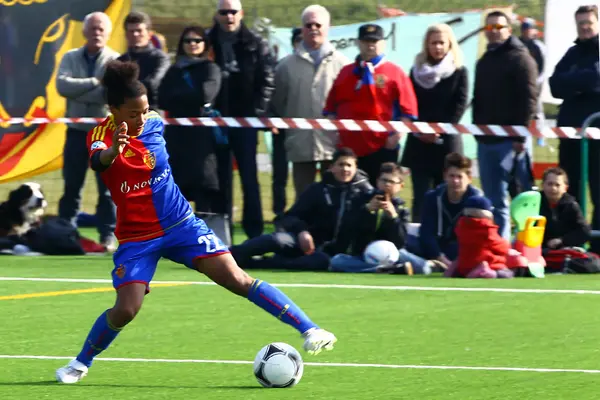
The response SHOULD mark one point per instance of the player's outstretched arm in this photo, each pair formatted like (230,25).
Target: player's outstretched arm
(104,159)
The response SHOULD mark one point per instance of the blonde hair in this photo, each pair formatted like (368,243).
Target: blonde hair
(446,30)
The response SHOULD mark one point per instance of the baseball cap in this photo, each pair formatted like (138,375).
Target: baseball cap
(370,32)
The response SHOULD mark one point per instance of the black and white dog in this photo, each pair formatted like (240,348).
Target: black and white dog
(23,209)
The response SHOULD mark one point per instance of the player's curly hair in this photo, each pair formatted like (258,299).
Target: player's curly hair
(121,82)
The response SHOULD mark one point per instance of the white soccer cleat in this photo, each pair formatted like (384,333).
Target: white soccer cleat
(316,339)
(73,372)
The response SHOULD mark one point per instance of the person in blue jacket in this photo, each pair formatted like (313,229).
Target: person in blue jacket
(442,207)
(576,80)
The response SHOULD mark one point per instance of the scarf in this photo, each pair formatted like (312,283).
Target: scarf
(228,40)
(364,70)
(427,75)
(185,61)
(319,54)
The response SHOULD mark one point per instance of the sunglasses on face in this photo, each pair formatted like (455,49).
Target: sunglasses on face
(491,27)
(309,25)
(227,12)
(193,40)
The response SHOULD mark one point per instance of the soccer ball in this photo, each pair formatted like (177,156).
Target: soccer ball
(278,365)
(381,252)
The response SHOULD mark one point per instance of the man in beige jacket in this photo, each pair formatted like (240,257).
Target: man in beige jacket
(302,83)
(79,81)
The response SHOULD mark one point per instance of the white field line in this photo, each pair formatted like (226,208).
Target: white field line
(346,365)
(336,286)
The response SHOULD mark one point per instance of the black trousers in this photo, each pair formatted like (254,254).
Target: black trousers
(280,173)
(422,181)
(75,168)
(288,254)
(242,143)
(372,162)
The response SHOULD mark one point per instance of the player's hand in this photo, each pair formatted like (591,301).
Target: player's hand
(392,141)
(554,243)
(306,242)
(275,130)
(120,138)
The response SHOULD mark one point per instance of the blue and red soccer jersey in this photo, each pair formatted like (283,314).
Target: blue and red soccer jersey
(140,182)
(154,220)
(389,97)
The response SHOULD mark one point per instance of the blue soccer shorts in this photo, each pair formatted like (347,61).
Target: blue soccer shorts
(136,262)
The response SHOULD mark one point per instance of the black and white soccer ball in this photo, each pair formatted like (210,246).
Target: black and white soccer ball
(278,365)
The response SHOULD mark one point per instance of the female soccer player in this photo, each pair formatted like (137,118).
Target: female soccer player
(154,220)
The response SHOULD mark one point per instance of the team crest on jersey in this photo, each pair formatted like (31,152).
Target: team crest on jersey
(380,80)
(150,159)
(120,271)
(98,145)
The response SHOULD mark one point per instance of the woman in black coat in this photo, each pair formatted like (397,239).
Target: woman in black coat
(188,90)
(441,85)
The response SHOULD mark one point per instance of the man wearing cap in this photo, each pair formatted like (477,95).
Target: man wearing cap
(372,88)
(302,82)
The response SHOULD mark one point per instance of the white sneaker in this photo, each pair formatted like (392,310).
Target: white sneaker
(316,339)
(73,372)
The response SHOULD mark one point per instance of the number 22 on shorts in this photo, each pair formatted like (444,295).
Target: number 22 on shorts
(212,243)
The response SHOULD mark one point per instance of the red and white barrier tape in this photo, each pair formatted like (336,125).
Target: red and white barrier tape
(349,125)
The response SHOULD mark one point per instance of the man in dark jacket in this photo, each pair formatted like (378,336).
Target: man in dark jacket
(442,208)
(307,233)
(248,72)
(576,80)
(153,62)
(565,224)
(505,94)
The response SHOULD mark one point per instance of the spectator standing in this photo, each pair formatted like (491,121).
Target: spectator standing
(153,62)
(279,157)
(247,66)
(505,94)
(302,83)
(188,90)
(441,85)
(79,81)
(372,88)
(537,49)
(576,80)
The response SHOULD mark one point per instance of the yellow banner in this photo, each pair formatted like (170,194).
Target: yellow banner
(35,36)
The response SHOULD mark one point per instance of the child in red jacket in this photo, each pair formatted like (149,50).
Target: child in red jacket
(482,252)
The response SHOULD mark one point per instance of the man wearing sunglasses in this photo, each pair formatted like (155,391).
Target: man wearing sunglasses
(505,93)
(302,82)
(576,80)
(247,65)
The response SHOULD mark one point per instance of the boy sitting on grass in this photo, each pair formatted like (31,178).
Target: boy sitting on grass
(565,223)
(382,216)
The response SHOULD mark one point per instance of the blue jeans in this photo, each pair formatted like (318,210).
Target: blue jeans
(497,161)
(348,263)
